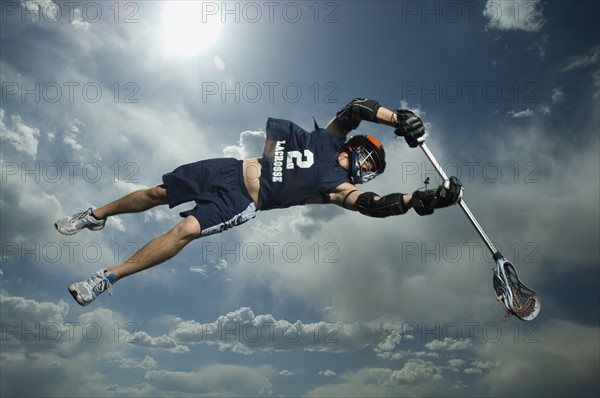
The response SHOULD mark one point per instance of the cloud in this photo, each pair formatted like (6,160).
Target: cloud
(552,171)
(489,368)
(417,109)
(54,376)
(539,46)
(448,344)
(386,348)
(78,21)
(147,363)
(545,110)
(41,337)
(479,366)
(556,98)
(21,136)
(558,95)
(415,371)
(25,203)
(523,15)
(542,357)
(20,310)
(200,270)
(415,378)
(520,114)
(132,363)
(327,373)
(592,57)
(583,60)
(249,145)
(243,332)
(313,218)
(167,343)
(71,133)
(457,363)
(42,10)
(214,380)
(156,214)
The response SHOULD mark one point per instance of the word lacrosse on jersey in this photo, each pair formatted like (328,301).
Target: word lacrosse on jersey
(298,166)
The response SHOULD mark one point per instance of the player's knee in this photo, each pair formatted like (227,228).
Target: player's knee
(157,194)
(188,228)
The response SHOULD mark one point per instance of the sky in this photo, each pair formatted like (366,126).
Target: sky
(101,98)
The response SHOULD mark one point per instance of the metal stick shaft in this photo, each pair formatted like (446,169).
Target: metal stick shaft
(462,203)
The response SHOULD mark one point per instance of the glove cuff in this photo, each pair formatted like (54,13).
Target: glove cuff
(422,202)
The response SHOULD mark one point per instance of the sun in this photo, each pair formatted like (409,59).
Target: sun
(186,30)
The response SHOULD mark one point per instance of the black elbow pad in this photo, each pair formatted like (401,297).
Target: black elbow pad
(366,109)
(389,205)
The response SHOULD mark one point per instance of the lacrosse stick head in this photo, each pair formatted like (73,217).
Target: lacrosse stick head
(518,299)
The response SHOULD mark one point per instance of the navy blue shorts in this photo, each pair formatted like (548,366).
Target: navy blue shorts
(217,187)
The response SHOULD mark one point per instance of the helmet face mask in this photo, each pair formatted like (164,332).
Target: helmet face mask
(367,158)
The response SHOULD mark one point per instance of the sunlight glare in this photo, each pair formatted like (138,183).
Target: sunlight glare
(183,30)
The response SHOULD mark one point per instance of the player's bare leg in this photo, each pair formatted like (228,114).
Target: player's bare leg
(135,202)
(153,253)
(160,249)
(95,220)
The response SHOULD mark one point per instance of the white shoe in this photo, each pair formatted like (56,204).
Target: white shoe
(86,291)
(77,222)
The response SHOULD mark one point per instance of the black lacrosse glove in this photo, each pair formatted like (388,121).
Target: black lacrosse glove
(410,126)
(447,194)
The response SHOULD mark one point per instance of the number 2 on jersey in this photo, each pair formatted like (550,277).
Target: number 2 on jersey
(297,158)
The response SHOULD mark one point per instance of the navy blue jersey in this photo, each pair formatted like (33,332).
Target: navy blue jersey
(298,165)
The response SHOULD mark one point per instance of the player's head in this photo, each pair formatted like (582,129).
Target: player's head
(367,158)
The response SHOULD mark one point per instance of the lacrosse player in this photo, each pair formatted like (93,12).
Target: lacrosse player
(296,168)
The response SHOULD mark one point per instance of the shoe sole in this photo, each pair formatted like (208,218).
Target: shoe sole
(65,232)
(75,296)
(69,233)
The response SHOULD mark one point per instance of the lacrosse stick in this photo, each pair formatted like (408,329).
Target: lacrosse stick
(518,299)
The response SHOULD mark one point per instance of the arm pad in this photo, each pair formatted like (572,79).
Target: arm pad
(389,205)
(366,109)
